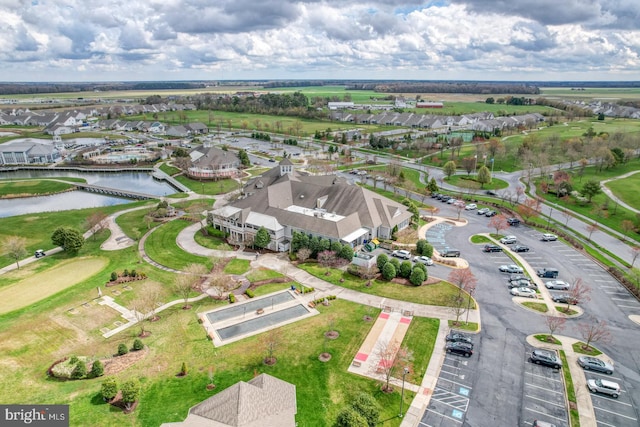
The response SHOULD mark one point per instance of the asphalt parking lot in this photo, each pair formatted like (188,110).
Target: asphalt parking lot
(609,411)
(543,394)
(450,400)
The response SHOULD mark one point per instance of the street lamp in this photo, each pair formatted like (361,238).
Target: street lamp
(405,371)
(469,303)
(549,219)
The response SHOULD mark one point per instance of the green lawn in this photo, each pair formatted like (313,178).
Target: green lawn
(237,266)
(439,293)
(161,247)
(627,189)
(208,187)
(464,181)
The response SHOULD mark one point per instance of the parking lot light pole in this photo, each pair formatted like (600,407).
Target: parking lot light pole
(469,304)
(405,371)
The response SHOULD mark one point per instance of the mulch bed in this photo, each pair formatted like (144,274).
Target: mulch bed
(332,335)
(324,357)
(118,364)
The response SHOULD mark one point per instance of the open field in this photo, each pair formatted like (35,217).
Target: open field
(627,189)
(604,94)
(32,187)
(44,284)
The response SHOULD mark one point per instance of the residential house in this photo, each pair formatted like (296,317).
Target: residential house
(284,201)
(263,401)
(22,153)
(177,131)
(197,128)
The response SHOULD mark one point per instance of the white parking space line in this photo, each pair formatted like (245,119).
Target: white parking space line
(544,400)
(622,299)
(428,425)
(451,366)
(603,376)
(444,416)
(455,382)
(615,413)
(544,388)
(616,292)
(544,377)
(633,307)
(604,424)
(546,415)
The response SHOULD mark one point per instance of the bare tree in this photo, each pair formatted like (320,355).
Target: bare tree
(270,342)
(96,222)
(303,254)
(594,331)
(578,293)
(390,359)
(184,283)
(554,324)
(591,228)
(463,278)
(627,226)
(15,247)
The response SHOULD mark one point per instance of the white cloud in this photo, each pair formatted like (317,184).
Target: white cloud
(403,39)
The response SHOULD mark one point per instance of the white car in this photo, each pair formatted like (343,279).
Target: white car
(424,260)
(401,254)
(604,387)
(511,268)
(547,237)
(508,240)
(557,284)
(483,211)
(523,292)
(471,206)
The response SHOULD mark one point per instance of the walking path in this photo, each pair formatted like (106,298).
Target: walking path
(612,196)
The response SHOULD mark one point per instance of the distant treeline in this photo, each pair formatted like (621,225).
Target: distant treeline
(36,88)
(484,88)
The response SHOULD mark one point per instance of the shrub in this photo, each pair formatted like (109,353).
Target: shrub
(405,269)
(388,271)
(122,349)
(109,388)
(232,298)
(183,369)
(348,417)
(73,360)
(417,277)
(365,405)
(381,261)
(114,276)
(249,293)
(130,392)
(97,370)
(137,344)
(79,371)
(133,274)
(125,273)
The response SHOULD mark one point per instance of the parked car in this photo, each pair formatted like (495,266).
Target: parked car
(549,237)
(514,222)
(423,260)
(452,201)
(522,283)
(449,253)
(520,248)
(471,206)
(557,284)
(492,248)
(595,364)
(434,195)
(444,198)
(538,423)
(548,273)
(401,254)
(545,357)
(490,214)
(483,211)
(511,268)
(508,240)
(517,277)
(459,348)
(523,292)
(564,299)
(490,193)
(454,336)
(604,387)
(39,253)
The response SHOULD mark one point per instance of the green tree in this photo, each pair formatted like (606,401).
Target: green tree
(130,392)
(484,176)
(449,168)
(109,388)
(432,186)
(424,248)
(381,261)
(346,252)
(365,405)
(490,100)
(262,238)
(137,344)
(79,371)
(417,276)
(405,269)
(388,271)
(97,369)
(348,417)
(70,239)
(590,189)
(122,349)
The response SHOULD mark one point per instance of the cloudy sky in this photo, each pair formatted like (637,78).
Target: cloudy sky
(89,40)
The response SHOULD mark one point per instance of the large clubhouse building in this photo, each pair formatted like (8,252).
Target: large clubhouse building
(284,200)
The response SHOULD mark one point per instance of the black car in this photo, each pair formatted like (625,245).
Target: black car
(517,277)
(514,222)
(444,198)
(520,248)
(491,213)
(521,283)
(459,337)
(434,195)
(564,299)
(492,248)
(547,358)
(459,348)
(490,193)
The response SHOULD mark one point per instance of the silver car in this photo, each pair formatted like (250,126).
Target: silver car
(557,284)
(604,387)
(595,364)
(424,260)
